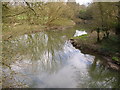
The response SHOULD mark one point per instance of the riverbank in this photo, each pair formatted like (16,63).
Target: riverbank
(16,29)
(87,44)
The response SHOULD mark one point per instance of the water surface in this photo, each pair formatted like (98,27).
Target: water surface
(48,60)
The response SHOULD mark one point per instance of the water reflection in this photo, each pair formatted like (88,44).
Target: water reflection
(48,60)
(72,59)
(99,77)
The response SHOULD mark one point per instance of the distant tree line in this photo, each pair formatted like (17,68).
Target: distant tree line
(103,16)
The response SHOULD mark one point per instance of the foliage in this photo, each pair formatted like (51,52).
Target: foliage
(37,13)
(103,17)
(115,58)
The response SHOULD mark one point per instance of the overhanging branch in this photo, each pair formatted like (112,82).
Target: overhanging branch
(14,14)
(30,7)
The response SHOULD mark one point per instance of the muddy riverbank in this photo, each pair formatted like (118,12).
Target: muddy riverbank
(93,49)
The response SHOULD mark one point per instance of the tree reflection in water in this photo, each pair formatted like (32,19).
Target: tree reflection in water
(38,49)
(46,58)
(99,76)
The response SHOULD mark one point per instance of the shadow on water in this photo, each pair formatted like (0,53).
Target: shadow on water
(48,60)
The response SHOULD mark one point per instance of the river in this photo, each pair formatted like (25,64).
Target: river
(48,60)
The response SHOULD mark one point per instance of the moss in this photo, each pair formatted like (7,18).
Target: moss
(115,58)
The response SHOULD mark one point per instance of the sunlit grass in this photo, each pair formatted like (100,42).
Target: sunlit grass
(16,30)
(63,22)
(109,45)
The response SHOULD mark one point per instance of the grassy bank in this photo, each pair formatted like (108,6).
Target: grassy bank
(16,29)
(107,48)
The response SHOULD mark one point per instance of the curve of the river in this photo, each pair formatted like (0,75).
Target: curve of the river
(48,60)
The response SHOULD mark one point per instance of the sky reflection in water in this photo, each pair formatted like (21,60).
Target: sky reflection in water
(48,60)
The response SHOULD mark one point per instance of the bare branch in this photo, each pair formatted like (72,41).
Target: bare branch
(30,7)
(14,14)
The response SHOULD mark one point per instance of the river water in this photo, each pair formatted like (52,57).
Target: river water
(48,60)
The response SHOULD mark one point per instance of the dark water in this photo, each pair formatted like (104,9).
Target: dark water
(48,60)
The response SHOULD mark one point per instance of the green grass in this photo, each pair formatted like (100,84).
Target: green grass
(110,46)
(115,58)
(63,22)
(16,30)
(21,17)
(84,37)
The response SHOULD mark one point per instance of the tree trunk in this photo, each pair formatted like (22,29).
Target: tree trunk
(98,35)
(107,34)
